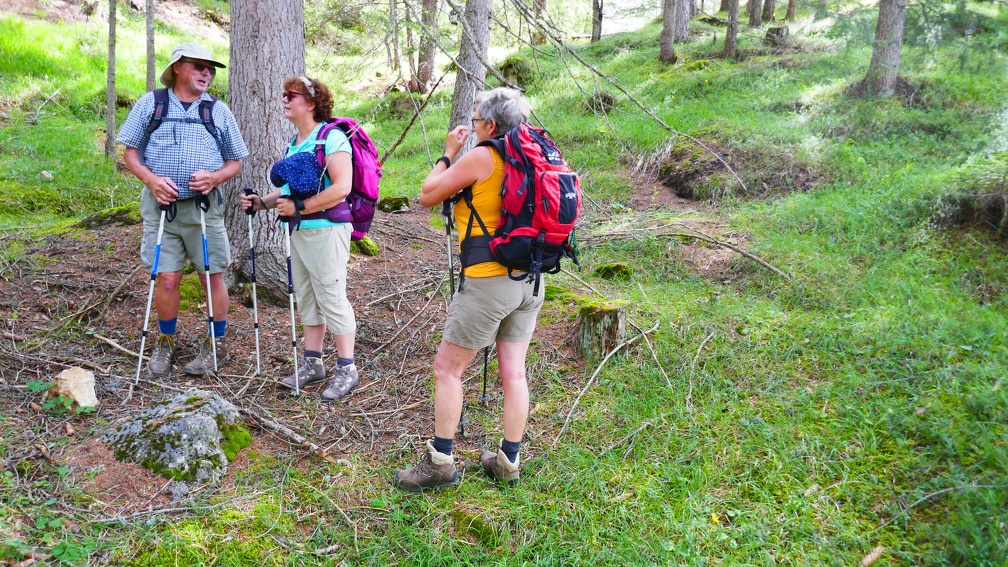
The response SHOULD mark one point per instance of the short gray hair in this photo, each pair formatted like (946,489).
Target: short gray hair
(507,107)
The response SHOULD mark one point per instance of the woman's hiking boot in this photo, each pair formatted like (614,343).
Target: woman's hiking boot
(204,363)
(159,363)
(435,470)
(310,371)
(344,381)
(498,467)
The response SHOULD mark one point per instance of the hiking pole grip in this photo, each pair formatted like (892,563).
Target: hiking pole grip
(249,192)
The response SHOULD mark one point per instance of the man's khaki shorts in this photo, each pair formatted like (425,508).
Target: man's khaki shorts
(319,259)
(182,237)
(492,309)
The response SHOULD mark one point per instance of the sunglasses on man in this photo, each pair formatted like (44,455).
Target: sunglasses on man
(200,67)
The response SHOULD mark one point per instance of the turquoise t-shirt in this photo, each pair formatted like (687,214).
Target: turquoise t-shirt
(336,141)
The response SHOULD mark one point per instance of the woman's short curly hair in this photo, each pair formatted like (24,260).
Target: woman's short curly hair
(507,107)
(315,91)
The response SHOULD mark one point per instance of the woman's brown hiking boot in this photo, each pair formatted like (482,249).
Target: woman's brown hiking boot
(498,467)
(435,470)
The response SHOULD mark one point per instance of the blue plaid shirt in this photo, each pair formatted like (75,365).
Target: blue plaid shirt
(177,149)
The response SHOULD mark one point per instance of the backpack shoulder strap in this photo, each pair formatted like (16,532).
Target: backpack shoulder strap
(320,143)
(206,117)
(497,143)
(156,119)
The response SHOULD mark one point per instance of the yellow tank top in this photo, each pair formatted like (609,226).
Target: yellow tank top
(487,202)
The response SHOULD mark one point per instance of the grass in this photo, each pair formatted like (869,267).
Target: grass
(801,419)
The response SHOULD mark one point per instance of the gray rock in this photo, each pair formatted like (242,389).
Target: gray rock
(190,437)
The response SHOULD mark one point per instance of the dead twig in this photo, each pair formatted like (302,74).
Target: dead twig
(708,238)
(287,432)
(596,373)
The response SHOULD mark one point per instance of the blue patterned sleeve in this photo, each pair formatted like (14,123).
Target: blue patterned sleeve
(132,130)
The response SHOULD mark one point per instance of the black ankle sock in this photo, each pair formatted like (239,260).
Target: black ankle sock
(443,446)
(510,449)
(312,354)
(343,361)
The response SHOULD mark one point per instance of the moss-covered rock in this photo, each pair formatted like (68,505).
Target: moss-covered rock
(191,437)
(393,204)
(126,214)
(365,246)
(614,271)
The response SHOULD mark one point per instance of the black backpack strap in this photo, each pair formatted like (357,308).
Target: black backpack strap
(156,119)
(206,117)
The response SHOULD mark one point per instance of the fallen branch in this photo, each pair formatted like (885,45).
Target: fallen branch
(642,427)
(928,497)
(116,345)
(288,432)
(594,374)
(708,238)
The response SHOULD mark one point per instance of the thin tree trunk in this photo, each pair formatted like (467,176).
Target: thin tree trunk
(110,95)
(151,58)
(472,51)
(725,6)
(792,6)
(393,33)
(267,46)
(731,33)
(425,57)
(539,8)
(755,11)
(884,67)
(596,20)
(768,10)
(666,51)
(682,19)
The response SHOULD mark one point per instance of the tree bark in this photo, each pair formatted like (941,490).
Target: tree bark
(768,10)
(731,32)
(427,51)
(666,51)
(539,8)
(596,20)
(267,46)
(755,10)
(472,51)
(110,96)
(151,57)
(792,6)
(725,6)
(884,67)
(393,32)
(683,9)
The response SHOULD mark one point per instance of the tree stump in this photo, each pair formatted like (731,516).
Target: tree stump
(602,328)
(776,37)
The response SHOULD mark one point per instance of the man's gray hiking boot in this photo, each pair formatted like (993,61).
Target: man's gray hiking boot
(435,470)
(205,361)
(159,363)
(344,381)
(498,467)
(309,371)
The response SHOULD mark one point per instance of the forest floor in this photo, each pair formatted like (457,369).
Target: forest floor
(77,298)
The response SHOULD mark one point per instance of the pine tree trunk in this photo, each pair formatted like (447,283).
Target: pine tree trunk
(768,10)
(792,6)
(151,56)
(472,51)
(539,6)
(731,33)
(755,11)
(393,23)
(267,46)
(725,6)
(884,67)
(110,96)
(666,48)
(596,20)
(682,19)
(425,56)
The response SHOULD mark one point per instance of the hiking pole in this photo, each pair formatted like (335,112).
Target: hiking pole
(255,306)
(150,292)
(290,295)
(203,204)
(446,210)
(484,399)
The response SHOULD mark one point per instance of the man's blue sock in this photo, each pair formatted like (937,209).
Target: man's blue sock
(167,326)
(219,327)
(312,354)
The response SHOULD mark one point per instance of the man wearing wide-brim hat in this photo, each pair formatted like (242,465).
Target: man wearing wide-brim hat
(181,163)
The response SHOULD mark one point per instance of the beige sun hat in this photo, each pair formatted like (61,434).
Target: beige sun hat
(190,51)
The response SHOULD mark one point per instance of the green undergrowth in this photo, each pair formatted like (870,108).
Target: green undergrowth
(858,402)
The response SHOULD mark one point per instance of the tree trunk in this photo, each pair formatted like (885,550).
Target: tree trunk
(884,67)
(472,72)
(151,56)
(601,329)
(596,20)
(110,96)
(267,46)
(393,23)
(539,7)
(792,6)
(725,6)
(682,19)
(427,51)
(755,11)
(768,10)
(666,51)
(731,32)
